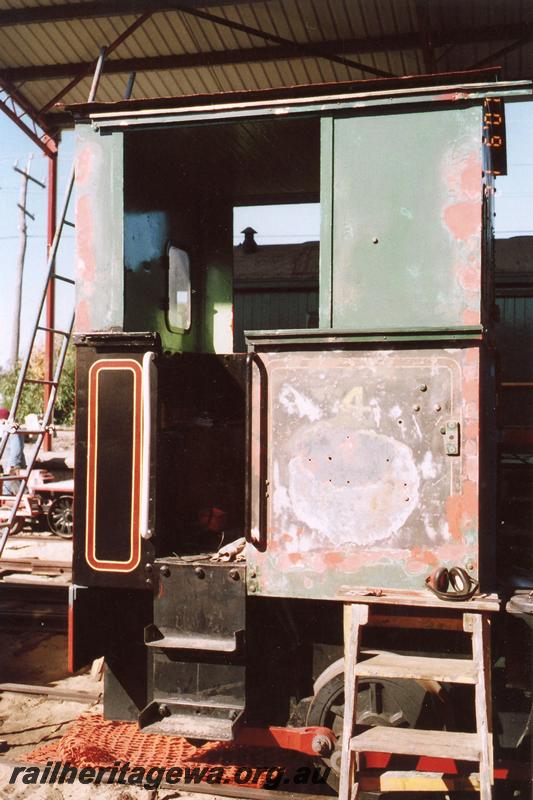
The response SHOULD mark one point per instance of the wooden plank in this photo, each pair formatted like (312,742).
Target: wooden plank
(423,599)
(479,625)
(397,620)
(395,781)
(409,741)
(393,665)
(31,579)
(355,618)
(52,691)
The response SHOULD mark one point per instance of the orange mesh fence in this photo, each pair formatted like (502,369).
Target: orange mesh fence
(94,742)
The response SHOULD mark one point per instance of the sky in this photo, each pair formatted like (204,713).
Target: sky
(514,215)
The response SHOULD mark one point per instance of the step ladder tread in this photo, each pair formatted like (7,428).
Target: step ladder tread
(63,278)
(410,741)
(392,665)
(52,330)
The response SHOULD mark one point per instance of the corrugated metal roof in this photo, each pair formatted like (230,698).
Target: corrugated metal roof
(176,52)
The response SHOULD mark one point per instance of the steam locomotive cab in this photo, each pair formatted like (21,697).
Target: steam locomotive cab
(359,455)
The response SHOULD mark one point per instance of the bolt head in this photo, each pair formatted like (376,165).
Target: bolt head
(234,574)
(321,745)
(164,710)
(164,571)
(423,387)
(199,572)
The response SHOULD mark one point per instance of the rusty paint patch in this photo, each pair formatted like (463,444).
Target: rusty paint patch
(462,510)
(84,165)
(463,219)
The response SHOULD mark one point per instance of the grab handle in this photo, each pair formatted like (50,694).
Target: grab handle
(146,531)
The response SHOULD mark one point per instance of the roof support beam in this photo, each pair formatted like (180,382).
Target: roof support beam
(503,51)
(426,45)
(182,61)
(519,35)
(103,8)
(87,68)
(305,49)
(27,118)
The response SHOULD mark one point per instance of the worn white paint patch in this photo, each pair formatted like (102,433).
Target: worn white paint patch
(395,412)
(376,411)
(431,533)
(428,467)
(417,427)
(294,402)
(358,495)
(280,499)
(445,531)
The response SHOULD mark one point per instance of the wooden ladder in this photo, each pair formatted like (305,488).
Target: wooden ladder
(476,747)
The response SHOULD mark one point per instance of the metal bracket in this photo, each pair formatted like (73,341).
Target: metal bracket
(451,434)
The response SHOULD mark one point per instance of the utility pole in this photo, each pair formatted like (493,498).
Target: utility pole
(23,230)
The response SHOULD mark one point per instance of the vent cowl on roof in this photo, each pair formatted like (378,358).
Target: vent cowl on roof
(249,245)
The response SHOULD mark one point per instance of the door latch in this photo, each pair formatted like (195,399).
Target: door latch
(451,438)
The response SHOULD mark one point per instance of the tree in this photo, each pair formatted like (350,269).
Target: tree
(32,401)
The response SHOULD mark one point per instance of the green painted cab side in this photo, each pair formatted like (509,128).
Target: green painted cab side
(402,201)
(99,223)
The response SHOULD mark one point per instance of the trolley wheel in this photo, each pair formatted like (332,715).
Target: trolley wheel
(59,516)
(384,701)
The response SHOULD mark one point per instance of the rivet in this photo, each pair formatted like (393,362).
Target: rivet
(164,571)
(416,408)
(469,565)
(423,387)
(234,574)
(200,573)
(443,430)
(253,588)
(253,574)
(148,567)
(164,710)
(148,582)
(375,240)
(437,407)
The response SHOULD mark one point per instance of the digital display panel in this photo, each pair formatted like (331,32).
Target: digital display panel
(494,136)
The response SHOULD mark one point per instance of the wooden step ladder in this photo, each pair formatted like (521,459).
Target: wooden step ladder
(475,747)
(12,427)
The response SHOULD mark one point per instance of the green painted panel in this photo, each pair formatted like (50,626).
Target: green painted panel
(406,214)
(99,225)
(271,310)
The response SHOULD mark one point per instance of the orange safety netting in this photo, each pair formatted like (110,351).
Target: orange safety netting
(94,742)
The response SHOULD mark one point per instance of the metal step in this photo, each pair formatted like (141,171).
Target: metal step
(168,638)
(409,741)
(392,665)
(194,720)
